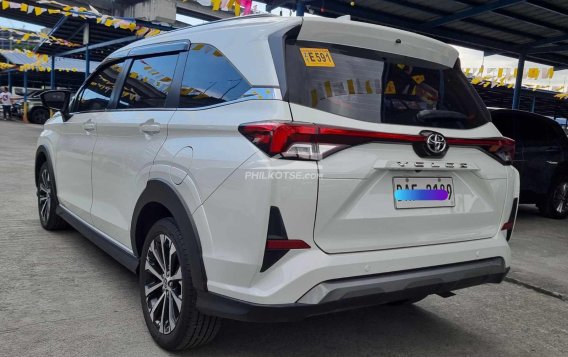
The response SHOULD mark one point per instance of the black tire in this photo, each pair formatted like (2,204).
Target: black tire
(408,301)
(556,203)
(39,115)
(47,200)
(171,284)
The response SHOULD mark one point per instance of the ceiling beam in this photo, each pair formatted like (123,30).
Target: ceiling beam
(547,41)
(334,7)
(482,23)
(549,49)
(470,12)
(548,7)
(519,17)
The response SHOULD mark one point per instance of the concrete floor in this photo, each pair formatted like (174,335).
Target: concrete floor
(540,251)
(62,296)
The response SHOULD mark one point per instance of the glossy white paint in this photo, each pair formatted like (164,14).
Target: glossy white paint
(122,158)
(378,38)
(237,215)
(217,146)
(300,271)
(341,206)
(74,148)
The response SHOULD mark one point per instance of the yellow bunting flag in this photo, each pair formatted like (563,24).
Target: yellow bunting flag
(328,91)
(237,8)
(314,95)
(550,73)
(418,78)
(350,86)
(533,73)
(24,7)
(141,31)
(391,89)
(5,5)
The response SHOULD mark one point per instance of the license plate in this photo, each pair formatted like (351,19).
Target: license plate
(423,192)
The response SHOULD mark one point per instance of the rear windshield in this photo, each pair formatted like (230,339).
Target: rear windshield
(381,88)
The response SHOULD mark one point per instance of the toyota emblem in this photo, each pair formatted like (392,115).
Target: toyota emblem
(436,143)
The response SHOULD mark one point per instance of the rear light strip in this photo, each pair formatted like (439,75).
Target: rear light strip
(510,224)
(314,142)
(286,244)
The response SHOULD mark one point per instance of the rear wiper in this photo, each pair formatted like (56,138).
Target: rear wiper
(425,115)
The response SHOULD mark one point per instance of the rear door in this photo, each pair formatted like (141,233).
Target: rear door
(542,150)
(359,206)
(129,137)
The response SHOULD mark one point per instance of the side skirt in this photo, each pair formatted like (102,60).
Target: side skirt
(122,255)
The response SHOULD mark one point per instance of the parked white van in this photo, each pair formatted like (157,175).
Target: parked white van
(270,169)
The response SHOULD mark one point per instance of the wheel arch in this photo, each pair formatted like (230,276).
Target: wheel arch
(561,170)
(158,200)
(42,155)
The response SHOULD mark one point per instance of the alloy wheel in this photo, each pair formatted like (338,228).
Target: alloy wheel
(44,195)
(163,284)
(560,199)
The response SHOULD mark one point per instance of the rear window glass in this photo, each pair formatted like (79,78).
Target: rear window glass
(380,88)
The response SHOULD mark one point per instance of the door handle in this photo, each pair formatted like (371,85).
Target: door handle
(150,128)
(89,126)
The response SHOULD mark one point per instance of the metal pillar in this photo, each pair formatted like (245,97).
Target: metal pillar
(25,113)
(10,81)
(519,81)
(87,62)
(533,106)
(300,7)
(52,73)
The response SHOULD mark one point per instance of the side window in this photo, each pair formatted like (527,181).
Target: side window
(552,137)
(534,132)
(148,82)
(505,124)
(96,95)
(209,78)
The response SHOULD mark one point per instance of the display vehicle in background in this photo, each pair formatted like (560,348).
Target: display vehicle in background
(541,158)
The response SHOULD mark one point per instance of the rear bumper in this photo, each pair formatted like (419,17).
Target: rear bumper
(349,293)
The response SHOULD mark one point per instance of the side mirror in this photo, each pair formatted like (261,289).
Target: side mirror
(57,100)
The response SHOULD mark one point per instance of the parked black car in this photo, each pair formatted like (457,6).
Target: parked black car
(541,158)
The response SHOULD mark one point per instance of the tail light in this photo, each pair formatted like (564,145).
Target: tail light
(510,224)
(307,141)
(277,242)
(503,149)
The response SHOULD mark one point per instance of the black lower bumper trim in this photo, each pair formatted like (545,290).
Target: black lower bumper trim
(225,307)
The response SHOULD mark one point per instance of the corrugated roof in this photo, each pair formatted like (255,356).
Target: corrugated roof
(495,26)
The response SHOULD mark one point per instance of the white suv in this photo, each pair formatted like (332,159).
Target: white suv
(271,169)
